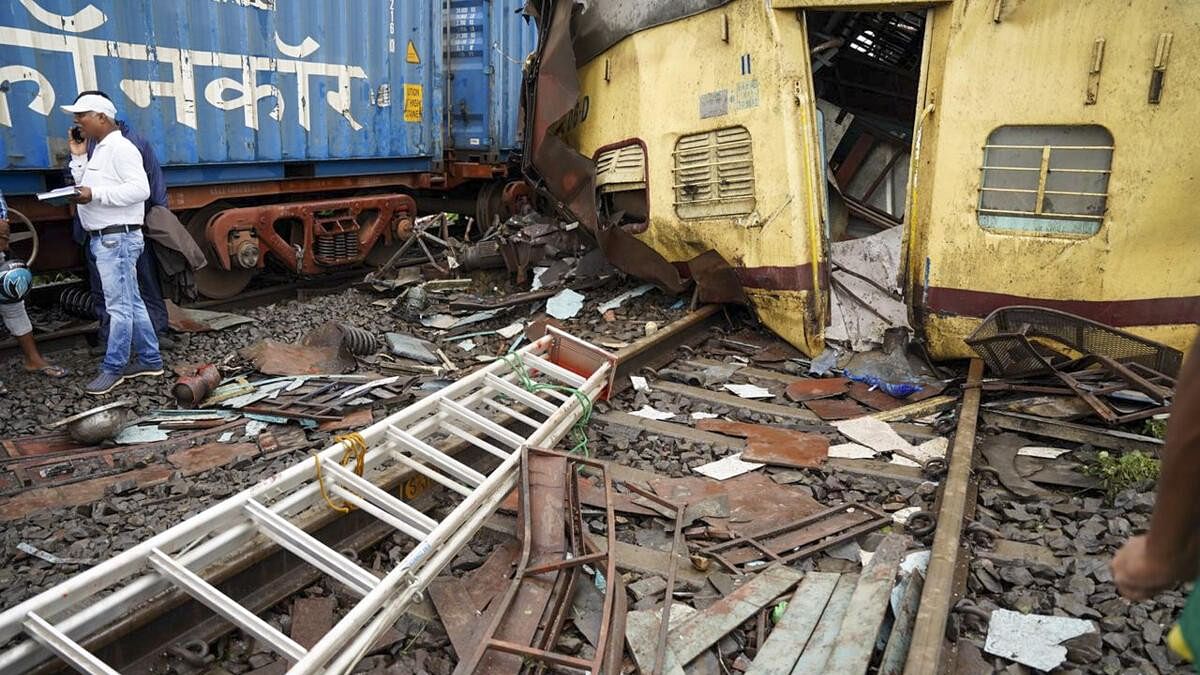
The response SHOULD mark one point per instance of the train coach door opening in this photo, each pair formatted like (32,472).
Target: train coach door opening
(866,81)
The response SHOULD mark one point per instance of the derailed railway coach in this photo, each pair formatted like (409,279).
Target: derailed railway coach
(300,135)
(959,156)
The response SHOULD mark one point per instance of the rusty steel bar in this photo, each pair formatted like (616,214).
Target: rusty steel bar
(565,563)
(929,636)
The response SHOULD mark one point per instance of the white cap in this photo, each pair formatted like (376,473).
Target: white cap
(93,103)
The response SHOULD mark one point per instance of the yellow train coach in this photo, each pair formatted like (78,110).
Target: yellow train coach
(975,153)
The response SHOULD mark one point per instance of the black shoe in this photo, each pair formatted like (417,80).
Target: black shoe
(166,343)
(136,369)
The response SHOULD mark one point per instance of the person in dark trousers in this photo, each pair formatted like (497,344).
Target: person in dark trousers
(1169,554)
(147,263)
(111,191)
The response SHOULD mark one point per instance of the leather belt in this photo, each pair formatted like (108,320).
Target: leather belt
(114,229)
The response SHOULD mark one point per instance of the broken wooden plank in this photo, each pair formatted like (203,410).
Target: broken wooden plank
(1077,433)
(927,407)
(705,628)
(787,639)
(820,644)
(900,638)
(457,612)
(864,615)
(641,633)
(737,402)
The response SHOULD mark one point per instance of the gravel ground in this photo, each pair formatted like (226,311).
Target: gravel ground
(1082,530)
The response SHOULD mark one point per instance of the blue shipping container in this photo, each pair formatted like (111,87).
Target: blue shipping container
(231,90)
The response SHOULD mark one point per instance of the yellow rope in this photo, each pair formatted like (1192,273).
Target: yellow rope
(355,447)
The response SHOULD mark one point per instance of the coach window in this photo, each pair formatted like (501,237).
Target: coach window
(714,174)
(1050,180)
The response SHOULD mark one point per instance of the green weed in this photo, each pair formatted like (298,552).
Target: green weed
(1122,472)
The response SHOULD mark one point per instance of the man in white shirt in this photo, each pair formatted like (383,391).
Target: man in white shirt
(112,188)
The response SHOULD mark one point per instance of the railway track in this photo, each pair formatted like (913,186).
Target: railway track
(175,629)
(75,336)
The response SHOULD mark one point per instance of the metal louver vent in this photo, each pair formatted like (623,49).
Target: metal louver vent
(621,169)
(714,174)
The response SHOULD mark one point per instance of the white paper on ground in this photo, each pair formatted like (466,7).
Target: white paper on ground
(1044,453)
(873,433)
(565,305)
(510,331)
(620,299)
(639,383)
(748,390)
(901,517)
(537,278)
(851,451)
(466,345)
(728,467)
(704,416)
(651,413)
(1033,639)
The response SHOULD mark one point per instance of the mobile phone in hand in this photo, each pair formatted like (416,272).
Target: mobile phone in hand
(77,134)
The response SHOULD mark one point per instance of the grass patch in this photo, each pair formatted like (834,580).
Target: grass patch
(1117,473)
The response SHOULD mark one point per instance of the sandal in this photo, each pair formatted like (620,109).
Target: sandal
(49,370)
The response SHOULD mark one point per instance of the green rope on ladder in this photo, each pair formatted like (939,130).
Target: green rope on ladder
(579,430)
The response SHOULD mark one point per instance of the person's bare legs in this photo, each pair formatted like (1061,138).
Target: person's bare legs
(33,358)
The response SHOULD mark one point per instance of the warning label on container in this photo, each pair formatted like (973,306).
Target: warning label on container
(412,56)
(414,105)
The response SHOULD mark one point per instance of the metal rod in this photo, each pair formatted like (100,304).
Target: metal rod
(924,655)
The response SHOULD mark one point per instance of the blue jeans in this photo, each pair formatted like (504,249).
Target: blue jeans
(129,324)
(147,275)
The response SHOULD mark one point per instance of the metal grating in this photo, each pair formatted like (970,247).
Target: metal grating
(714,174)
(1045,179)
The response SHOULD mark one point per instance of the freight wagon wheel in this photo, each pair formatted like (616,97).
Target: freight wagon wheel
(212,281)
(21,230)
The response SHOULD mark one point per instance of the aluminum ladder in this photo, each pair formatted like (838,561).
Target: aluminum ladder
(483,409)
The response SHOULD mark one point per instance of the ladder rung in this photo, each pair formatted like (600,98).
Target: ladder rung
(527,397)
(381,498)
(377,512)
(311,550)
(70,651)
(436,476)
(483,424)
(557,372)
(222,604)
(524,419)
(474,440)
(437,458)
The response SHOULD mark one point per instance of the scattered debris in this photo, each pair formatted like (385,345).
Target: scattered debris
(410,347)
(1033,640)
(616,302)
(772,445)
(651,413)
(748,390)
(565,305)
(724,469)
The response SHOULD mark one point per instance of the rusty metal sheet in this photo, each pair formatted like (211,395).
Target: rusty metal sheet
(807,390)
(75,494)
(873,398)
(753,498)
(830,409)
(211,455)
(772,445)
(487,580)
(44,444)
(457,612)
(1001,454)
(791,541)
(547,497)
